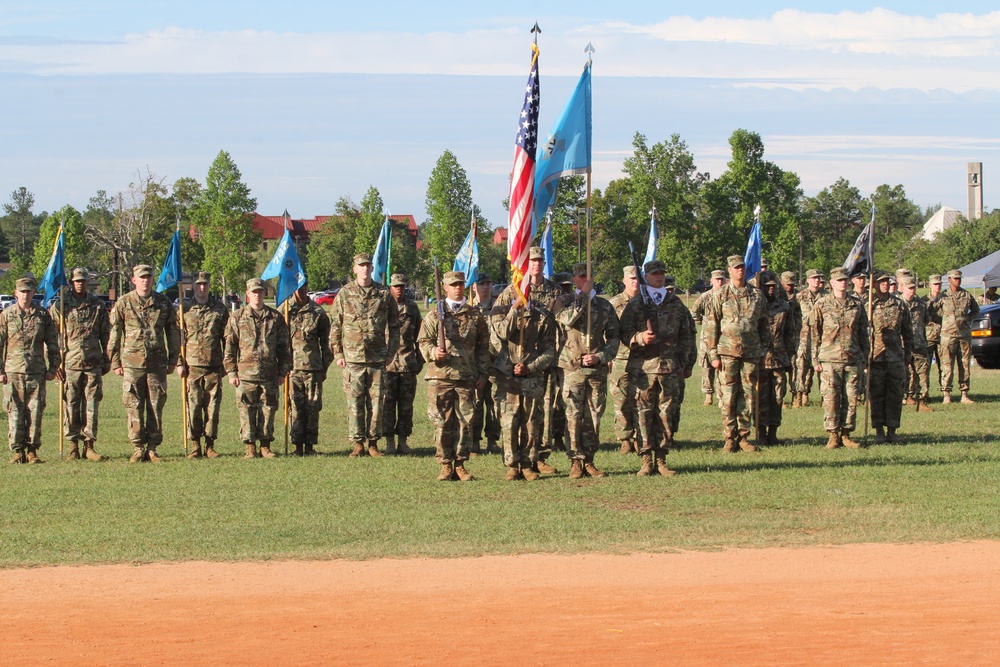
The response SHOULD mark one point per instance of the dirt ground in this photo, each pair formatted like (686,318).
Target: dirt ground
(851,605)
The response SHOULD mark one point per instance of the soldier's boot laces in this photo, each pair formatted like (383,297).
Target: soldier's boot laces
(834,441)
(647,466)
(373,449)
(31,455)
(544,468)
(74,452)
(462,473)
(513,473)
(390,444)
(576,469)
(529,473)
(195,452)
(965,397)
(447,473)
(90,453)
(729,446)
(846,439)
(138,454)
(661,467)
(626,447)
(266,453)
(590,468)
(152,455)
(403,448)
(251,451)
(923,407)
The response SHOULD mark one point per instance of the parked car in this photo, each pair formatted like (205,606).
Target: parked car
(6,300)
(233,301)
(327,298)
(498,288)
(986,336)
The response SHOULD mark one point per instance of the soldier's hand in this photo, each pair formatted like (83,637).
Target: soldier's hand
(119,371)
(716,364)
(520,370)
(170,368)
(235,381)
(480,384)
(591,360)
(440,354)
(818,368)
(342,363)
(648,337)
(182,370)
(686,374)
(3,378)
(49,377)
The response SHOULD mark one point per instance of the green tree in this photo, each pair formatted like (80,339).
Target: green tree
(370,222)
(20,228)
(835,218)
(330,253)
(449,207)
(74,242)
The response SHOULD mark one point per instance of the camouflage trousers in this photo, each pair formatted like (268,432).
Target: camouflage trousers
(486,420)
(934,355)
(25,397)
(737,385)
(398,391)
(522,421)
(144,394)
(841,386)
(773,387)
(555,414)
(305,401)
(623,399)
(585,396)
(450,406)
(363,386)
(918,377)
(803,372)
(791,378)
(204,399)
(955,352)
(888,381)
(709,376)
(655,396)
(84,390)
(675,410)
(257,403)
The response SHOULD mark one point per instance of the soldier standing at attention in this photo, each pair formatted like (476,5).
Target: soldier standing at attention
(920,364)
(400,385)
(675,413)
(934,325)
(454,373)
(487,419)
(792,296)
(891,355)
(956,309)
(145,341)
(838,330)
(661,337)
(29,357)
(737,336)
(364,334)
(309,332)
(86,355)
(708,378)
(622,387)
(257,357)
(806,299)
(205,319)
(777,362)
(584,360)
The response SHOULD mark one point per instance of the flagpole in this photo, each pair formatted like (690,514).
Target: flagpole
(62,356)
(589,50)
(183,350)
(286,383)
(871,328)
(475,292)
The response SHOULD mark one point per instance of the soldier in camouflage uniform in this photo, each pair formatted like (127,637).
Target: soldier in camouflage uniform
(737,336)
(257,357)
(145,341)
(933,329)
(364,334)
(806,299)
(544,293)
(203,331)
(838,332)
(400,381)
(989,296)
(709,380)
(675,413)
(527,349)
(860,284)
(918,371)
(487,419)
(622,387)
(777,361)
(890,321)
(956,309)
(309,332)
(29,357)
(584,360)
(788,287)
(660,336)
(454,373)
(85,349)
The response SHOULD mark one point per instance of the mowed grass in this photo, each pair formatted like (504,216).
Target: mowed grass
(941,485)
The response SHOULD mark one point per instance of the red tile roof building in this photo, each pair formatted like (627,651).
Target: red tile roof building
(272,227)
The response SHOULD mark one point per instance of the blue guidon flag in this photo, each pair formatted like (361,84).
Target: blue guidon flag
(286,267)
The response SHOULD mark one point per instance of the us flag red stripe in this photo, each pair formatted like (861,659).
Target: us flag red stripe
(522,181)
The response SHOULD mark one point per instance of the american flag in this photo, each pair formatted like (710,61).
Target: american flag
(522,182)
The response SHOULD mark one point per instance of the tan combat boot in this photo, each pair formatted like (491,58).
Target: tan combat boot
(463,474)
(138,454)
(74,452)
(513,474)
(909,401)
(846,439)
(966,399)
(946,399)
(795,399)
(834,441)
(18,457)
(661,467)
(590,468)
(359,450)
(373,449)
(803,399)
(390,444)
(576,469)
(746,445)
(544,468)
(90,453)
(447,473)
(195,452)
(647,466)
(709,399)
(31,455)
(152,455)
(529,473)
(923,407)
(626,447)
(265,451)
(403,448)
(251,451)
(730,446)
(210,449)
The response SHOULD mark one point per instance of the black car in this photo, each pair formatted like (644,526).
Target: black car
(986,336)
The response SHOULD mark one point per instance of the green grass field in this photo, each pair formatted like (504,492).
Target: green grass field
(942,485)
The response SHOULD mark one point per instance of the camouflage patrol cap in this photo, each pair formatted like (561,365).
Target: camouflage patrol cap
(579,269)
(142,270)
(907,281)
(892,280)
(839,273)
(534,252)
(628,271)
(452,277)
(654,265)
(26,284)
(484,278)
(955,273)
(764,263)
(362,258)
(397,280)
(768,278)
(934,279)
(80,273)
(202,278)
(902,272)
(718,274)
(563,278)
(788,278)
(735,261)
(880,276)
(255,284)
(813,273)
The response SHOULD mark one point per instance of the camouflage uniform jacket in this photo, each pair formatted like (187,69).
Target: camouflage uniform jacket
(538,349)
(893,329)
(87,331)
(700,305)
(407,358)
(257,345)
(986,300)
(364,328)
(605,334)
(144,333)
(618,302)
(933,330)
(784,337)
(919,318)
(807,300)
(547,295)
(671,352)
(25,338)
(736,323)
(467,340)
(838,330)
(796,321)
(957,310)
(309,331)
(204,331)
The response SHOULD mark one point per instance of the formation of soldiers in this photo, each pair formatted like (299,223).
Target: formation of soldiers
(529,372)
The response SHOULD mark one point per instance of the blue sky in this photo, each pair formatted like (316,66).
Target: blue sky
(319,100)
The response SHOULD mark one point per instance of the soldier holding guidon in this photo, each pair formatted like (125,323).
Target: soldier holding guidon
(622,387)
